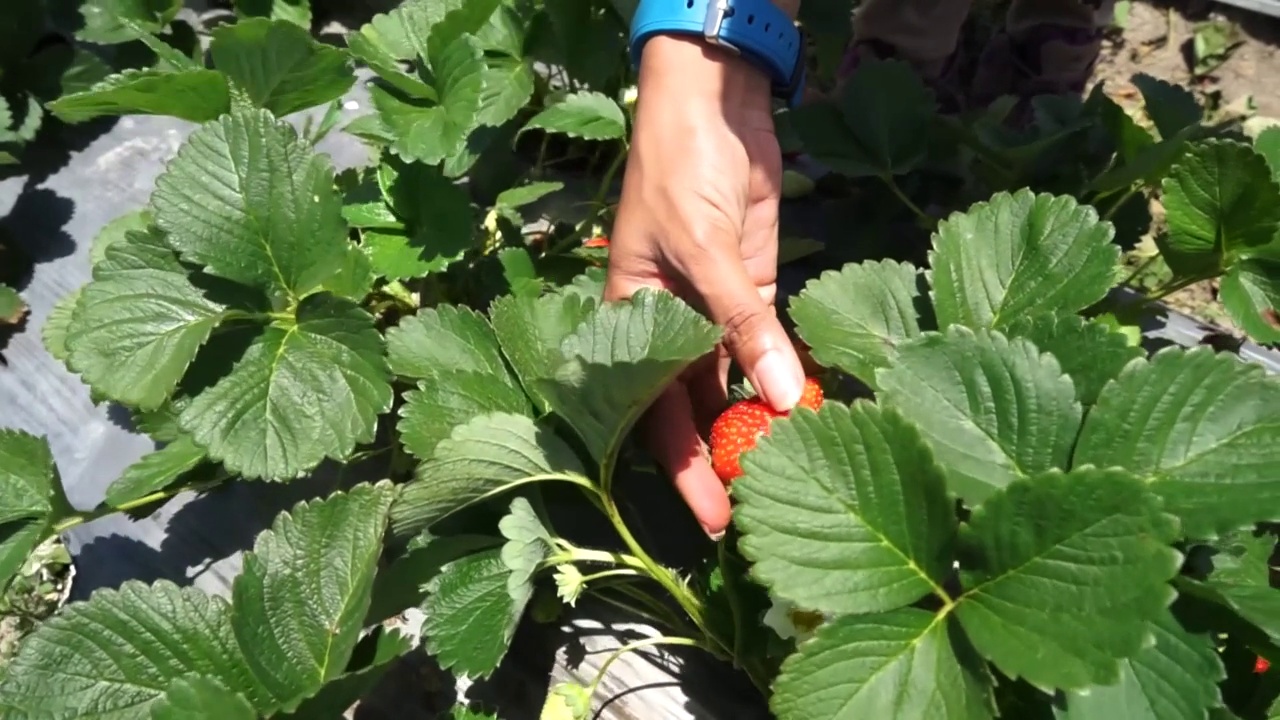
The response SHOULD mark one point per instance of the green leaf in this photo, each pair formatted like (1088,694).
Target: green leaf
(1090,353)
(461,17)
(531,331)
(899,664)
(297,12)
(619,360)
(354,279)
(587,39)
(432,131)
(251,202)
(303,391)
(444,339)
(196,95)
(993,409)
(1219,201)
(1063,573)
(855,319)
(437,233)
(156,471)
(487,456)
(397,255)
(878,126)
(1241,581)
(587,115)
(116,231)
(1174,679)
(1250,291)
(140,323)
(385,645)
(865,477)
(519,271)
(528,544)
(12,306)
(517,197)
(471,615)
(162,424)
(369,46)
(279,65)
(1203,429)
(508,86)
(401,585)
(195,697)
(18,540)
(1017,255)
(452,398)
(1171,108)
(158,634)
(108,21)
(53,334)
(301,599)
(1267,144)
(29,484)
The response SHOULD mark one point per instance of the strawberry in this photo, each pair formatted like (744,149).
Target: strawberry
(738,428)
(811,397)
(1261,665)
(599,241)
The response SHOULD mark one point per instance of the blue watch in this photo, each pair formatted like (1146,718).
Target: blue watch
(755,29)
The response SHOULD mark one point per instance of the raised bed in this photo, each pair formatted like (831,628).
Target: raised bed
(198,542)
(110,169)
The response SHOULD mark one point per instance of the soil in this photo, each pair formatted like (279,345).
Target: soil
(1158,39)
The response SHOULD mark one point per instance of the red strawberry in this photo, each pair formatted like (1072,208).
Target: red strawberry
(598,241)
(738,428)
(811,397)
(1261,665)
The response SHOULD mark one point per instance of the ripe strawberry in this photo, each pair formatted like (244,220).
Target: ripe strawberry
(1261,665)
(599,241)
(811,397)
(738,428)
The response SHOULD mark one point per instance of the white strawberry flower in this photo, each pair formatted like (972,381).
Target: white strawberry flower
(790,621)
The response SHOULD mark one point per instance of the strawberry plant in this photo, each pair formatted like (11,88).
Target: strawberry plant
(997,505)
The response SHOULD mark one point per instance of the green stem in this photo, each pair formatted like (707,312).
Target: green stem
(607,182)
(574,554)
(1142,267)
(897,191)
(731,589)
(652,619)
(637,645)
(690,604)
(542,154)
(617,572)
(156,497)
(1115,207)
(670,617)
(1161,293)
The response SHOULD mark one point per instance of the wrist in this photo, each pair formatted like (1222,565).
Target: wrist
(698,70)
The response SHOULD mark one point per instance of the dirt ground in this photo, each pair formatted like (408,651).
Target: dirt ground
(1159,39)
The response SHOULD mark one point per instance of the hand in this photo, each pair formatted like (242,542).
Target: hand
(699,217)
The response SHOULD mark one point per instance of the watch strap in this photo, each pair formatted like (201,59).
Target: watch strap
(756,29)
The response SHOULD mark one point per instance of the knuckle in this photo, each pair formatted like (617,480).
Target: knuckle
(742,322)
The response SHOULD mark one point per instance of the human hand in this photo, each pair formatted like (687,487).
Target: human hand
(699,217)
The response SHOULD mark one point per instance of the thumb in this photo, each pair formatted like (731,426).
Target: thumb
(753,335)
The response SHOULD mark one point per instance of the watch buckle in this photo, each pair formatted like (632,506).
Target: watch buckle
(717,11)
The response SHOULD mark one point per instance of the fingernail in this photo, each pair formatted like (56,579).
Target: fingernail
(716,537)
(779,380)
